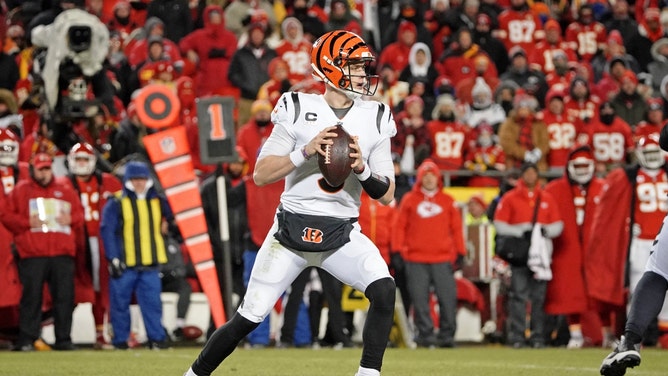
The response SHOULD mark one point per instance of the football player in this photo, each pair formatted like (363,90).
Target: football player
(94,188)
(309,206)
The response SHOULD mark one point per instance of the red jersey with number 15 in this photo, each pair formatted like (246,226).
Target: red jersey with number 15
(586,40)
(93,195)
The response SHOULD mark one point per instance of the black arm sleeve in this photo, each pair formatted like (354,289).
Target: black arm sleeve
(376,186)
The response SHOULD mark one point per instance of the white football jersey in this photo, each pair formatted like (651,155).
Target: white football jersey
(297,118)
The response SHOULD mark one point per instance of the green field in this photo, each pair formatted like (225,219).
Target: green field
(464,360)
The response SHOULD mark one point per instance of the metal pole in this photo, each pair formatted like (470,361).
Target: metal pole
(225,238)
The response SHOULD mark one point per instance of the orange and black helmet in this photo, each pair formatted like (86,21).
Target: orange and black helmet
(333,54)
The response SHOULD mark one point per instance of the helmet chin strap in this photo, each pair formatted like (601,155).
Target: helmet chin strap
(352,95)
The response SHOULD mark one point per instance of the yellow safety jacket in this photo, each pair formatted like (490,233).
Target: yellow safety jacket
(142,236)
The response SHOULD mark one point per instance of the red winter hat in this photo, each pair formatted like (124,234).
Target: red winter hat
(483,19)
(477,198)
(655,104)
(552,24)
(41,160)
(629,75)
(581,152)
(412,99)
(615,37)
(407,26)
(427,166)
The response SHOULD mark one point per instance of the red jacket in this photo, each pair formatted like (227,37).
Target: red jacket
(396,55)
(10,293)
(250,139)
(261,204)
(566,292)
(215,46)
(428,229)
(516,208)
(41,244)
(376,222)
(608,247)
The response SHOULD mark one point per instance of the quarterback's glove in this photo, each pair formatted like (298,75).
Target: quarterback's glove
(116,268)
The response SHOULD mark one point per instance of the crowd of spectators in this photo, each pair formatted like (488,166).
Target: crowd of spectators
(479,88)
(488,59)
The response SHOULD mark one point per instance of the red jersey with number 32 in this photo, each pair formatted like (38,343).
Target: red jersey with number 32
(651,202)
(562,132)
(298,57)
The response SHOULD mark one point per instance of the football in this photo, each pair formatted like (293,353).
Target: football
(335,164)
(191,332)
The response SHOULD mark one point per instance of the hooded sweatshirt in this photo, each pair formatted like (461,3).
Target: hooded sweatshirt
(428,228)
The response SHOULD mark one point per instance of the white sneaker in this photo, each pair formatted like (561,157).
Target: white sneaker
(575,343)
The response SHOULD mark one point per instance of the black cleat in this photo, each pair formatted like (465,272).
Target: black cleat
(158,345)
(626,355)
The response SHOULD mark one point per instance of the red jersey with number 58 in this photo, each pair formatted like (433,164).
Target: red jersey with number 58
(609,142)
(651,202)
(449,140)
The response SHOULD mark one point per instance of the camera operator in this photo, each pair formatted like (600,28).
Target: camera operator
(75,82)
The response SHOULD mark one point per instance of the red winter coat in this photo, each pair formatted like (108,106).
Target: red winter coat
(39,244)
(608,247)
(428,229)
(250,139)
(566,292)
(215,47)
(10,293)
(261,204)
(516,207)
(376,222)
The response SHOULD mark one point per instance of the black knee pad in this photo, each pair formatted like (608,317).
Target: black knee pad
(382,292)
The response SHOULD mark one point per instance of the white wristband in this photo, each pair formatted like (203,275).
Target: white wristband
(297,157)
(365,174)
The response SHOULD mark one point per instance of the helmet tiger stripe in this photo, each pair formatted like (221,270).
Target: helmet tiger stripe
(331,57)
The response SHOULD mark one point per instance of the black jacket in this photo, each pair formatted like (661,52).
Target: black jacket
(247,72)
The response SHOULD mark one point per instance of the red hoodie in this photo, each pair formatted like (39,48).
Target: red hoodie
(428,227)
(16,218)
(214,46)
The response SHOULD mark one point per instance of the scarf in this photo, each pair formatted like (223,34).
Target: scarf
(526,126)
